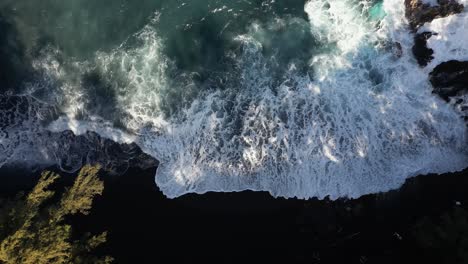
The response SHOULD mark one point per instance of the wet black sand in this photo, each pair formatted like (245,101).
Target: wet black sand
(146,227)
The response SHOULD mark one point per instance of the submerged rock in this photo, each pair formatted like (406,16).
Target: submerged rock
(450,79)
(419,13)
(397,50)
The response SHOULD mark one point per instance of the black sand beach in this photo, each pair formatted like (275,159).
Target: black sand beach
(146,227)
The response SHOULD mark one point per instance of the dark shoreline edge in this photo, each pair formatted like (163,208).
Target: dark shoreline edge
(377,228)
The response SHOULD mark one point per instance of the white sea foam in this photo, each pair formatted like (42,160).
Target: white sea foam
(450,39)
(363,122)
(19,119)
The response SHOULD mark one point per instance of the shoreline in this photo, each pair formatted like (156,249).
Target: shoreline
(145,225)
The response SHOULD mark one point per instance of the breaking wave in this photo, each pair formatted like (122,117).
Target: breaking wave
(331,104)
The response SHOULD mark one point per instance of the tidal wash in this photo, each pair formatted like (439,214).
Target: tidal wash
(298,98)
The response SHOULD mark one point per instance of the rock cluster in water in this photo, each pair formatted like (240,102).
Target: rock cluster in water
(419,13)
(449,79)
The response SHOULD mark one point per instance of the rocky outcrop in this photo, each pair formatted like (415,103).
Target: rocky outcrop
(421,52)
(90,148)
(419,13)
(450,79)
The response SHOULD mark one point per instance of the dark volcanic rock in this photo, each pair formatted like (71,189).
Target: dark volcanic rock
(421,52)
(419,13)
(91,148)
(450,78)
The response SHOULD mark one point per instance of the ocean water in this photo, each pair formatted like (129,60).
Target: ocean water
(298,98)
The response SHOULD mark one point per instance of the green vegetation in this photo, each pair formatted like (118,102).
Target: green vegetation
(33,228)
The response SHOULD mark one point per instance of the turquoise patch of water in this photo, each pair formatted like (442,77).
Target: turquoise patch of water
(377,12)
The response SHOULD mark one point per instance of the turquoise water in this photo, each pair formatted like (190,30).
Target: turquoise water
(377,12)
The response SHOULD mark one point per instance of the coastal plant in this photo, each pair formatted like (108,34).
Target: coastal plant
(34,227)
